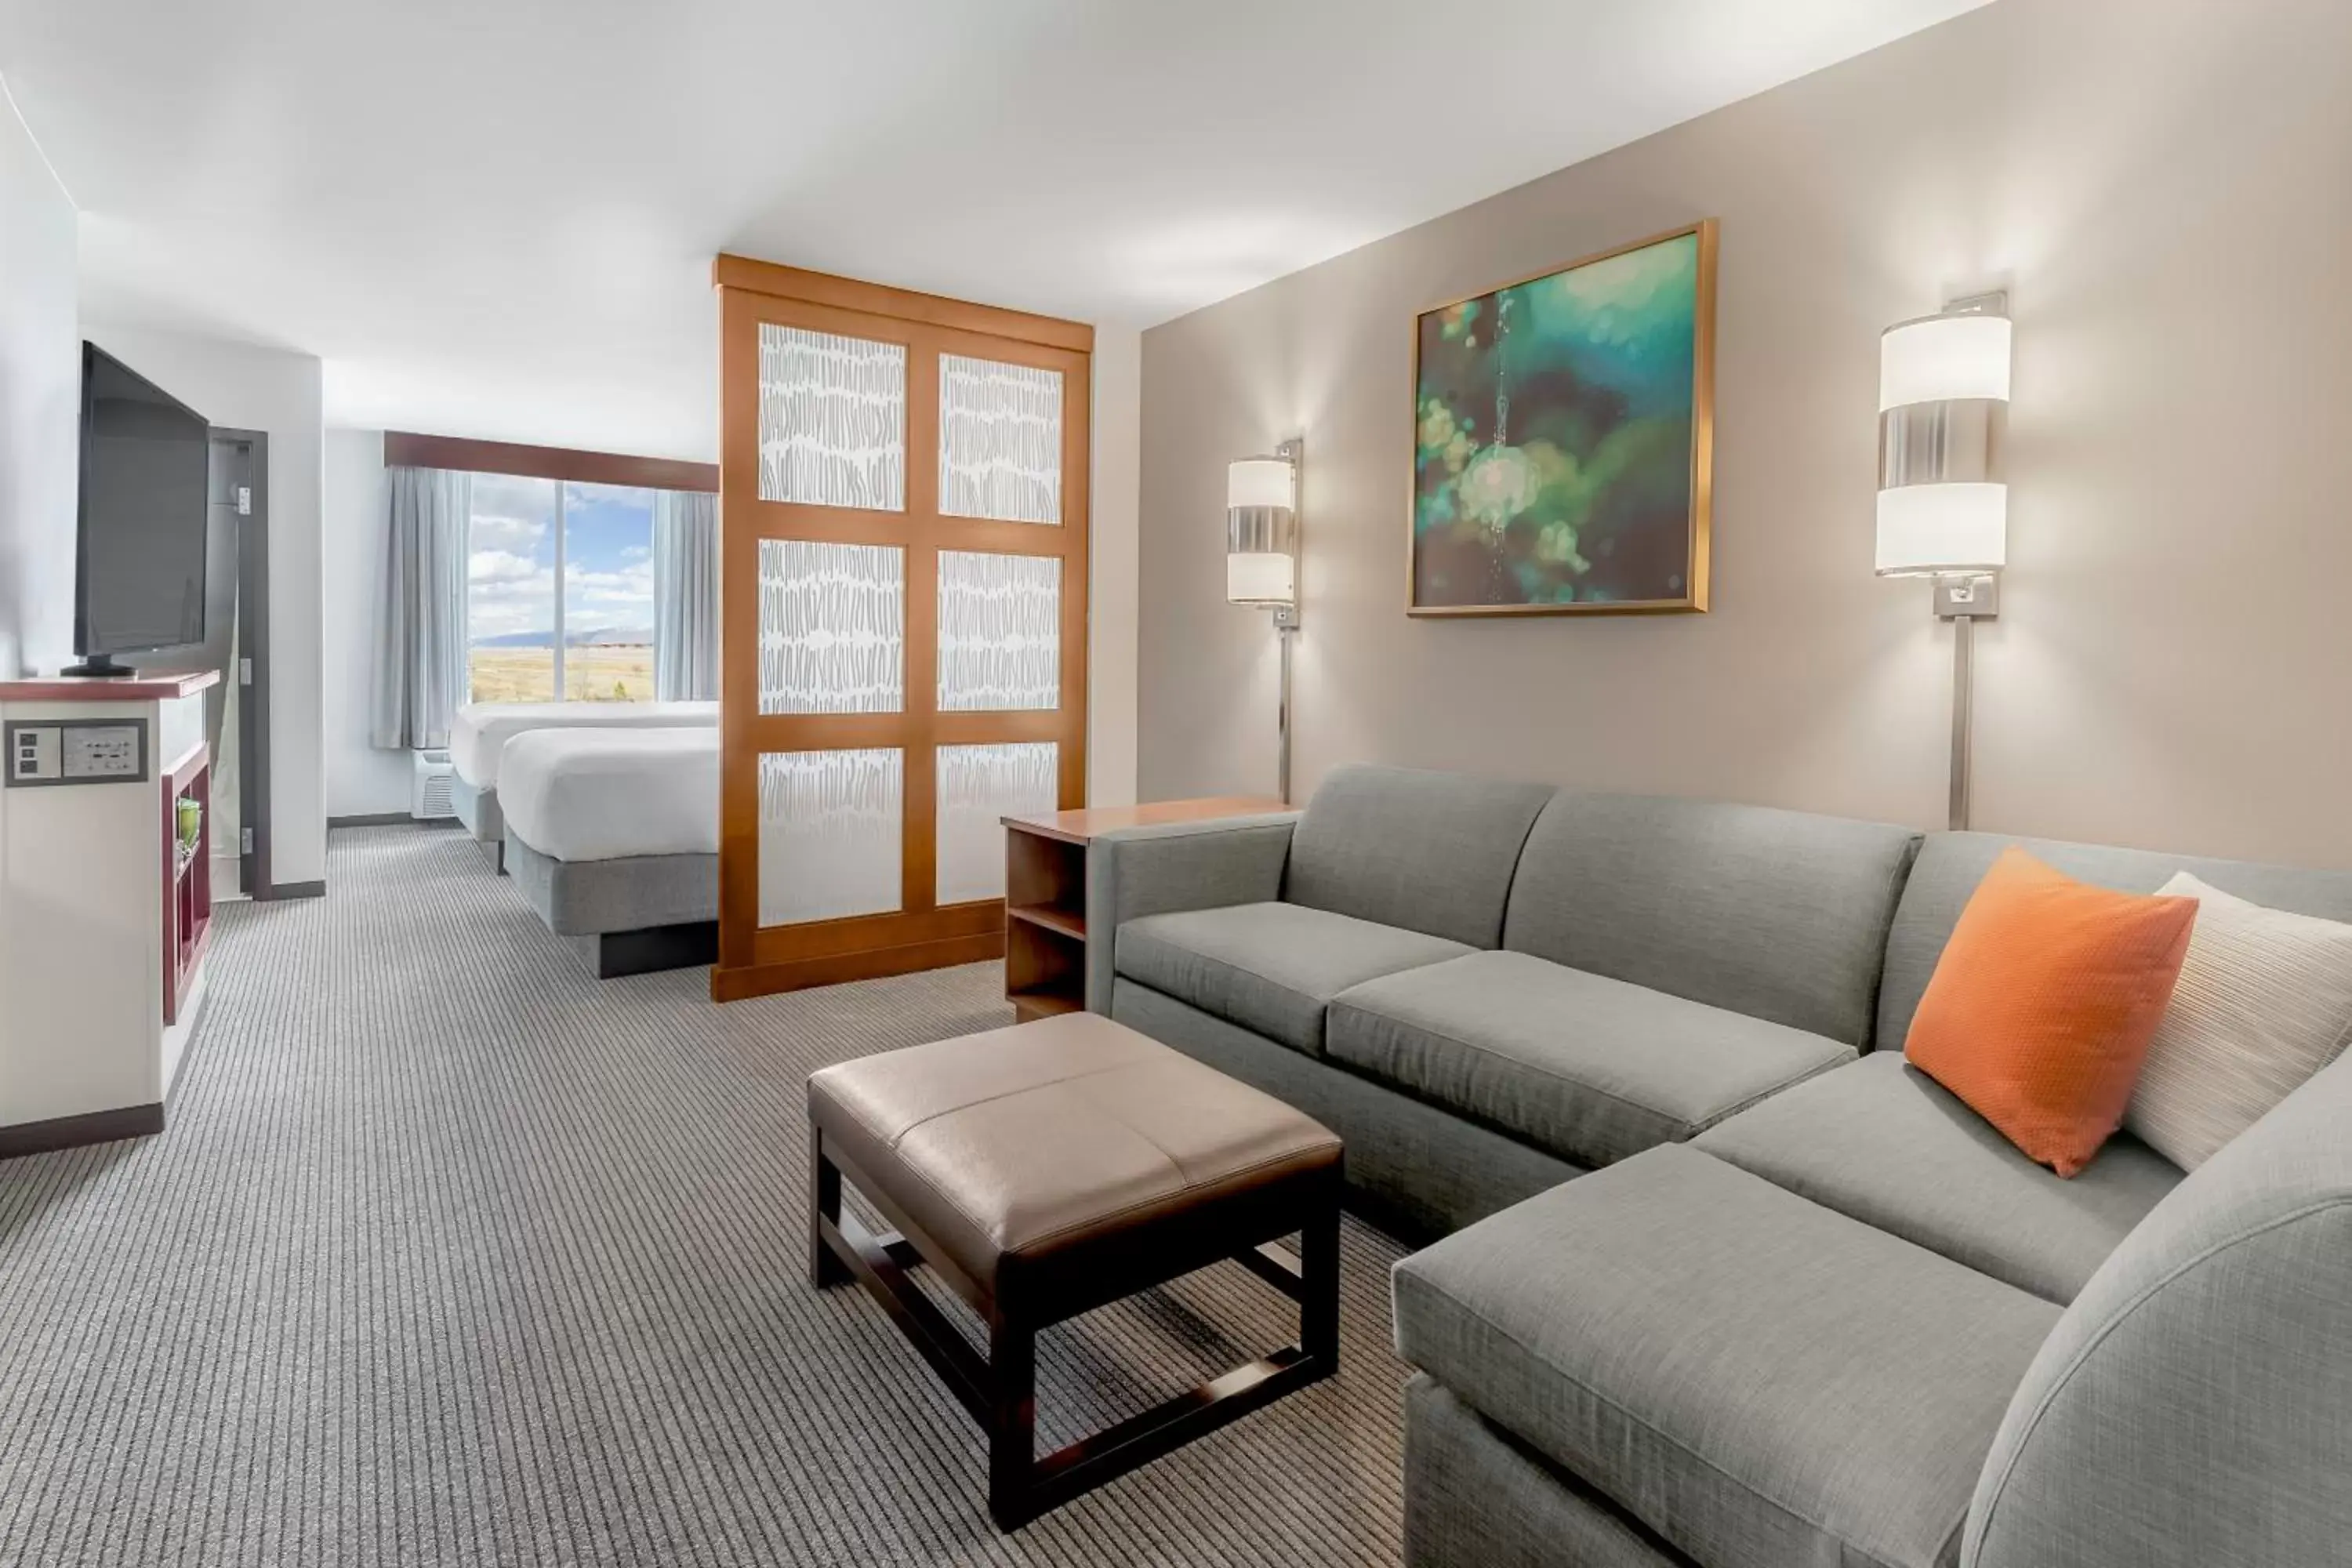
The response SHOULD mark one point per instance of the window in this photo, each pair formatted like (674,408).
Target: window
(592,641)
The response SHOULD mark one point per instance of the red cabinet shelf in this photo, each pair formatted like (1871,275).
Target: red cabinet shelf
(187,877)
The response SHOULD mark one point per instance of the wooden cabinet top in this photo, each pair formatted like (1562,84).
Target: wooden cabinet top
(139,688)
(1077,827)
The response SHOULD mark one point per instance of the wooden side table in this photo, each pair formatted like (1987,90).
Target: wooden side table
(1045,893)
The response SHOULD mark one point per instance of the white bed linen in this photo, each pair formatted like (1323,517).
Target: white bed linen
(603,794)
(478,733)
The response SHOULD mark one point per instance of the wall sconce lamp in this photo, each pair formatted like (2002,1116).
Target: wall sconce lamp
(1261,559)
(1943,509)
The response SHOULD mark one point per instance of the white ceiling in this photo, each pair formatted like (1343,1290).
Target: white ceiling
(495,218)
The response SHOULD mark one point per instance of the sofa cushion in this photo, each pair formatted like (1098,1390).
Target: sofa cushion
(2263,1000)
(1760,1381)
(2040,1009)
(1425,852)
(1270,968)
(1882,1142)
(1777,914)
(1591,1069)
(1950,865)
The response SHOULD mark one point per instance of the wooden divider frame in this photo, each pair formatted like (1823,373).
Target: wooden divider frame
(922,934)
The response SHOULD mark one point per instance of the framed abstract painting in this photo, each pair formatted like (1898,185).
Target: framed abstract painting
(1563,434)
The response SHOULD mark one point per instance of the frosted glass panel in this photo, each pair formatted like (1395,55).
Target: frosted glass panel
(1000,632)
(833,627)
(833,419)
(999,441)
(829,829)
(978,786)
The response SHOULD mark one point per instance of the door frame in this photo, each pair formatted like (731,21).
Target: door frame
(252,643)
(921,934)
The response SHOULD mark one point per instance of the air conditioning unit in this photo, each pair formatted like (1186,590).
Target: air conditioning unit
(428,789)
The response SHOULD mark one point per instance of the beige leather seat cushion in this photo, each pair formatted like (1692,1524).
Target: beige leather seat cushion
(1022,1141)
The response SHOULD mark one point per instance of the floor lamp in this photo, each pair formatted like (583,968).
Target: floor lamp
(1261,561)
(1943,509)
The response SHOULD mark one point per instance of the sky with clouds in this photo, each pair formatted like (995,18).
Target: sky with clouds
(608,577)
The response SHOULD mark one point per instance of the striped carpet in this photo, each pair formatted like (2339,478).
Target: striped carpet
(452,1255)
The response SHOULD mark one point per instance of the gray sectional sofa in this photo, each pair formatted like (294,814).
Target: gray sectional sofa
(1807,1307)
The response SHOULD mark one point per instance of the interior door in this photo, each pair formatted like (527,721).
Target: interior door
(903,504)
(237,709)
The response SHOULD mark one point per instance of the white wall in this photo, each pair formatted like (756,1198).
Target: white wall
(1111,583)
(361,780)
(40,402)
(244,388)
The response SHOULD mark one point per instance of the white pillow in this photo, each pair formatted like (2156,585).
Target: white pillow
(2264,1001)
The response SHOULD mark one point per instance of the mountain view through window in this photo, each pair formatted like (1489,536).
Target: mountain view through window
(559,591)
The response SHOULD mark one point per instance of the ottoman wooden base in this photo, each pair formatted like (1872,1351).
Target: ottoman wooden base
(1088,1263)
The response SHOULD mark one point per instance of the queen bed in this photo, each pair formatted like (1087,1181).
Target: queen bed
(479,733)
(612,836)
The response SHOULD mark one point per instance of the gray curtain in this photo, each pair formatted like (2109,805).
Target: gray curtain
(685,597)
(420,654)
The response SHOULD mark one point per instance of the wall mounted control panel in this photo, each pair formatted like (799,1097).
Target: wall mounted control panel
(76,752)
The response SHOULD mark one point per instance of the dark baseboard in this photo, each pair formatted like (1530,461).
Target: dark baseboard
(372,819)
(73,1131)
(613,954)
(297,890)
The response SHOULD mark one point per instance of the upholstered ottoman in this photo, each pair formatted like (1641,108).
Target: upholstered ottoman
(1049,1169)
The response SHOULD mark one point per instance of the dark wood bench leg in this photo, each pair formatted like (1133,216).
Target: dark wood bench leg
(1318,1296)
(824,1208)
(1012,1424)
(1001,1392)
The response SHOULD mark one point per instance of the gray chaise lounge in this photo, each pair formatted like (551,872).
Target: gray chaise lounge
(1847,1324)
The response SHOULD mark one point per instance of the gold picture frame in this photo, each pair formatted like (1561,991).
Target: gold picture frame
(1482,503)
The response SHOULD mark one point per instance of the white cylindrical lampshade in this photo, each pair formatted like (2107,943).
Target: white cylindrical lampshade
(1259,481)
(1925,530)
(1944,358)
(1260,577)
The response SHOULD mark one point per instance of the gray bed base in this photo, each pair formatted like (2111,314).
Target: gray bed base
(630,916)
(477,808)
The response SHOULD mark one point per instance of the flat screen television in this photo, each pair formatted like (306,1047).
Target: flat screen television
(139,559)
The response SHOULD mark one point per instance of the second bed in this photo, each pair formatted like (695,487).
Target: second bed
(480,731)
(612,836)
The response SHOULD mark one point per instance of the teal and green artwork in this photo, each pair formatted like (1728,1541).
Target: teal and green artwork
(1561,437)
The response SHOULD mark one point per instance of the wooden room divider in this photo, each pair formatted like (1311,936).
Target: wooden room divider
(902,619)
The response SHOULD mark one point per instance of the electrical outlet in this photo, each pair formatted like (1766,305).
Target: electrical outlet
(34,752)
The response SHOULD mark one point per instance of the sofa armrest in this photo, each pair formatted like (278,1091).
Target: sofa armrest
(1137,871)
(2190,1407)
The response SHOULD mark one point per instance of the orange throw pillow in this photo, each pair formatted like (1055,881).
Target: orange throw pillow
(2040,1013)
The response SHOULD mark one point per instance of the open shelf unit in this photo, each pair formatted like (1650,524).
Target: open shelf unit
(188,877)
(1044,920)
(1045,893)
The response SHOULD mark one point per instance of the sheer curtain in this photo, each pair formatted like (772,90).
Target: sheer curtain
(685,597)
(420,656)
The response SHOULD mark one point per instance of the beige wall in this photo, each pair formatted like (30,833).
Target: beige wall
(1112,485)
(2165,186)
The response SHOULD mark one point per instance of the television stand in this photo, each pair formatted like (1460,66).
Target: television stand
(98,667)
(105,918)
